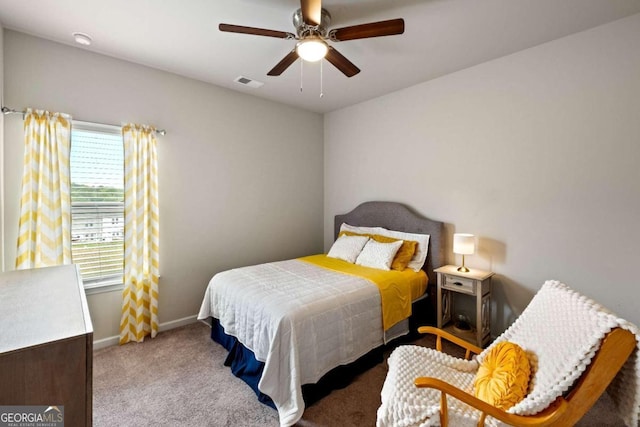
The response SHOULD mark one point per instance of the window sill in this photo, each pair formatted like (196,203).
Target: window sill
(99,288)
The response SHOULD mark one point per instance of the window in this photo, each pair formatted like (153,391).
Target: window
(97,203)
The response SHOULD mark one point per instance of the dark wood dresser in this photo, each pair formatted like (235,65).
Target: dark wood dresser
(46,341)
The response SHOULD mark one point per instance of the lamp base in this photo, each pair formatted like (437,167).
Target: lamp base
(462,268)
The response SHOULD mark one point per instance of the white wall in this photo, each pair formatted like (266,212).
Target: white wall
(240,177)
(1,150)
(536,153)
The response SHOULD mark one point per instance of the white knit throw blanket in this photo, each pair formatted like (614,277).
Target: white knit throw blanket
(563,330)
(560,329)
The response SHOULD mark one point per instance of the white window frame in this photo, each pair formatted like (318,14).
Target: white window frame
(97,285)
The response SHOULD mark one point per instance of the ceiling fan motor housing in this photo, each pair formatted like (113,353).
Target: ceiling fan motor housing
(303,29)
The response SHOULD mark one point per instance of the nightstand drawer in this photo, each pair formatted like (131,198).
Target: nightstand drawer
(459,284)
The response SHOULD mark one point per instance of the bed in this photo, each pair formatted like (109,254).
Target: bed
(292,324)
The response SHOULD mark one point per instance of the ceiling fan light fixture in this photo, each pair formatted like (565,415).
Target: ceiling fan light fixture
(312,49)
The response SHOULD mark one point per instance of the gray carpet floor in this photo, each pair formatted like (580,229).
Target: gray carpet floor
(178,379)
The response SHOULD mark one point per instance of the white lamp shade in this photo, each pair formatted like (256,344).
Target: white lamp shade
(464,244)
(312,49)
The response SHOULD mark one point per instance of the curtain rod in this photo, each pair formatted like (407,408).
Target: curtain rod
(7,110)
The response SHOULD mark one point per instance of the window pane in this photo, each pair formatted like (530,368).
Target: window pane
(97,204)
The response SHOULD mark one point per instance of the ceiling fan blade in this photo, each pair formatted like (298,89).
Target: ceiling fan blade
(284,64)
(311,11)
(363,31)
(341,63)
(255,31)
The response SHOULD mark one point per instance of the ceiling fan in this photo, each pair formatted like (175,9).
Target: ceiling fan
(311,22)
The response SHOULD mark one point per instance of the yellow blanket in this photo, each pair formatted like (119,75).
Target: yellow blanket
(397,288)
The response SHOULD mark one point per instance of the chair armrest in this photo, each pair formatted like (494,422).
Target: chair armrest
(547,417)
(439,333)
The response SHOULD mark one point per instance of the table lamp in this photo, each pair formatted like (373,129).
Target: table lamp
(463,244)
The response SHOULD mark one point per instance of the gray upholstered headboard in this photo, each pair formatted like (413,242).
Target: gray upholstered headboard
(396,216)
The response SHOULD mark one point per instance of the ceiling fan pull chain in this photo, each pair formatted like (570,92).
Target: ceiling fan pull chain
(301,65)
(321,80)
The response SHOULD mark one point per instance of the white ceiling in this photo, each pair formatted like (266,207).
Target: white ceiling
(441,37)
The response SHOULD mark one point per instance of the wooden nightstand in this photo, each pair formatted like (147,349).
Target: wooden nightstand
(476,283)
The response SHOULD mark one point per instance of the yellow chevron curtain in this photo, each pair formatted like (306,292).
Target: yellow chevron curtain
(141,233)
(44,237)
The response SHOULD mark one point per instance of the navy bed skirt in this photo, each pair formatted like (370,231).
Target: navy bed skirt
(245,366)
(241,360)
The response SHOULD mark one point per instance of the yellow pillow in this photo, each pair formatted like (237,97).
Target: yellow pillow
(350,233)
(404,254)
(503,377)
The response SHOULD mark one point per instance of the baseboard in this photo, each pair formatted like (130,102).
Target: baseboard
(177,323)
(114,340)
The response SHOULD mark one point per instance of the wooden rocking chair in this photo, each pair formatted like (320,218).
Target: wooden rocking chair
(447,391)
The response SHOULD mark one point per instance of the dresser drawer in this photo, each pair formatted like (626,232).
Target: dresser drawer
(459,284)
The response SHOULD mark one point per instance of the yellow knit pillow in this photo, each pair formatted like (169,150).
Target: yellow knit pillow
(503,377)
(404,254)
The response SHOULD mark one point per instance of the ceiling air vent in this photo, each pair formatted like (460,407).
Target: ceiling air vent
(245,81)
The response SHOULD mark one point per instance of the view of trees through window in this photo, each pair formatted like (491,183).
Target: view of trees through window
(97,204)
(96,194)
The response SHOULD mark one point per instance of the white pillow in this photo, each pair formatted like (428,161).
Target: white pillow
(419,257)
(347,247)
(378,255)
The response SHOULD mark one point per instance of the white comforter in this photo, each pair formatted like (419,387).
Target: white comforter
(301,320)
